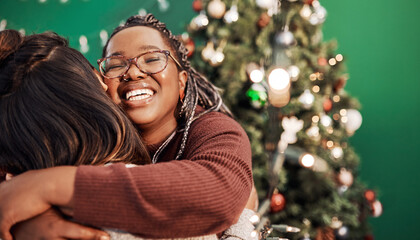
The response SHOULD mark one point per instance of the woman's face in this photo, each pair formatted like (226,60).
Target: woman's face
(156,108)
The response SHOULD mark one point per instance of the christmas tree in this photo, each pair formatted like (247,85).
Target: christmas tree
(285,85)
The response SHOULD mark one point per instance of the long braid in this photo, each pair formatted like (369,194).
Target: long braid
(198,91)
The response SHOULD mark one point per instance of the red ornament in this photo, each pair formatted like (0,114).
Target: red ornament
(340,83)
(190,46)
(322,61)
(278,202)
(370,195)
(309,2)
(327,105)
(264,20)
(197,5)
(368,237)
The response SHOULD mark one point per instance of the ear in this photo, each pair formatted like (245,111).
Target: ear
(8,176)
(182,79)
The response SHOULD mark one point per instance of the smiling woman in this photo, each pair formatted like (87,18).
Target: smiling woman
(202,178)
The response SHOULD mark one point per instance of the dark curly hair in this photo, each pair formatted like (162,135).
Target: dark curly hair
(199,91)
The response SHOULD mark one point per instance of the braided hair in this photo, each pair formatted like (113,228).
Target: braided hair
(199,91)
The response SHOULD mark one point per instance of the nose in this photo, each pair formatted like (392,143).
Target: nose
(133,73)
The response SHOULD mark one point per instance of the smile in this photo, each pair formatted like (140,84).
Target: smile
(139,94)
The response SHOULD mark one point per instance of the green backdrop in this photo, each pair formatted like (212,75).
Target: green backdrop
(380,40)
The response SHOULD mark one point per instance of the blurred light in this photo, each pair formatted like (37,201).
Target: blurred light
(326,121)
(294,72)
(336,116)
(279,79)
(337,152)
(343,112)
(256,75)
(254,219)
(336,98)
(342,231)
(306,11)
(22,31)
(315,119)
(320,76)
(312,77)
(332,61)
(3,24)
(339,57)
(307,160)
(344,119)
(315,89)
(330,144)
(142,12)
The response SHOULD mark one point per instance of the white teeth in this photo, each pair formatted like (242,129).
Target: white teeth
(138,94)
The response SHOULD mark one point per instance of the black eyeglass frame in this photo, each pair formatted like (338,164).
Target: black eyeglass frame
(134,61)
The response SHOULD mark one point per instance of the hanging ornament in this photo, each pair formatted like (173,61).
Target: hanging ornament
(278,202)
(197,5)
(84,46)
(291,126)
(199,22)
(188,43)
(337,153)
(294,72)
(307,99)
(264,20)
(340,83)
(326,120)
(313,132)
(285,38)
(352,120)
(345,177)
(370,195)
(216,9)
(266,4)
(258,95)
(327,105)
(376,208)
(342,233)
(335,223)
(368,237)
(218,56)
(232,15)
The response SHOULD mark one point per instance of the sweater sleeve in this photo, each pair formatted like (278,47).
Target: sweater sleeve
(202,194)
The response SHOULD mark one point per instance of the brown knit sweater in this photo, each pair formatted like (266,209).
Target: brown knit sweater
(203,193)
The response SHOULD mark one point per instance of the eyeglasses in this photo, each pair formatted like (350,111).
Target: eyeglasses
(151,62)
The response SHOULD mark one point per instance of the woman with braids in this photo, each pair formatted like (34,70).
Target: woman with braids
(202,179)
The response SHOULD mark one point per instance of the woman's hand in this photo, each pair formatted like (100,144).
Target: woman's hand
(32,193)
(51,225)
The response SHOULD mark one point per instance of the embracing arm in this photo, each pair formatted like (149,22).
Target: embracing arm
(203,194)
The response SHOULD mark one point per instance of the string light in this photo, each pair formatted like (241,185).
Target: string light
(307,160)
(339,57)
(279,79)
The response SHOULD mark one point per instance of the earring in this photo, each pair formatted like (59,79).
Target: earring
(181,95)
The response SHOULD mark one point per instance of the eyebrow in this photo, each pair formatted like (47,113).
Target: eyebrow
(142,48)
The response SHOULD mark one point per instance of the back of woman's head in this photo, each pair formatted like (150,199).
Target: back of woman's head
(199,91)
(53,110)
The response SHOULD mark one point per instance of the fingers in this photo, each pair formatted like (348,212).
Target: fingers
(70,230)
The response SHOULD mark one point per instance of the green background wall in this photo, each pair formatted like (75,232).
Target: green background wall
(380,40)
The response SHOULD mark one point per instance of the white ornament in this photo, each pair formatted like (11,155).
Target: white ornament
(267,4)
(307,99)
(345,177)
(326,120)
(313,132)
(103,35)
(208,52)
(200,21)
(337,153)
(163,5)
(3,24)
(353,121)
(216,9)
(232,15)
(377,208)
(284,39)
(291,126)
